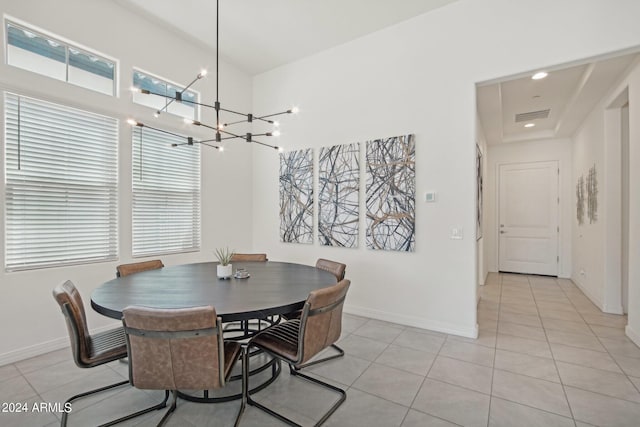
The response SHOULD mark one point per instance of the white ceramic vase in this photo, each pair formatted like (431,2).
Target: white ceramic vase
(225,271)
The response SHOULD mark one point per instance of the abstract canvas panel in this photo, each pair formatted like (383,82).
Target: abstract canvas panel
(391,193)
(338,195)
(296,196)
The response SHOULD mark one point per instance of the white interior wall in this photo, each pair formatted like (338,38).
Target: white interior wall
(597,247)
(525,152)
(633,325)
(31,318)
(419,77)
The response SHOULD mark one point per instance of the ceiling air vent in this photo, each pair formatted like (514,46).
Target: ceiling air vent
(532,115)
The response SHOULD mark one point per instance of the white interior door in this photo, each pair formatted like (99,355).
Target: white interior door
(528,218)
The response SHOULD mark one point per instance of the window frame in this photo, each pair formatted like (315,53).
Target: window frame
(138,171)
(68,45)
(196,107)
(105,191)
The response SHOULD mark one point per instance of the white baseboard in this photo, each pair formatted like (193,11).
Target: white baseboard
(417,322)
(588,294)
(633,335)
(43,348)
(616,309)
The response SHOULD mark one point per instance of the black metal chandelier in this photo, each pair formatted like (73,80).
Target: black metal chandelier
(220,127)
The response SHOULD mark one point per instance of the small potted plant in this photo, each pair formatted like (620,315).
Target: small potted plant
(225,269)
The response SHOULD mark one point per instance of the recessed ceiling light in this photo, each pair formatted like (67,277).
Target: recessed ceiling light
(529,125)
(539,75)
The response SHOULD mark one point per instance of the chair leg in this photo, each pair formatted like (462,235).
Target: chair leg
(296,373)
(245,383)
(324,359)
(142,412)
(174,401)
(63,421)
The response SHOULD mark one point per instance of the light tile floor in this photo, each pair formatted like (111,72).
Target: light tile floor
(546,356)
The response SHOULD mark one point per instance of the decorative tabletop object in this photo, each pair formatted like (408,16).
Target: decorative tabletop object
(225,268)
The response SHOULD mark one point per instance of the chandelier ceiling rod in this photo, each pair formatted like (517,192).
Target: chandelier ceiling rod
(219,126)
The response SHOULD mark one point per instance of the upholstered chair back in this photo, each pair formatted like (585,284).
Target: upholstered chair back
(172,349)
(136,267)
(333,267)
(249,257)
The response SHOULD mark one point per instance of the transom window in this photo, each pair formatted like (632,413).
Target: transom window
(33,51)
(61,185)
(167,92)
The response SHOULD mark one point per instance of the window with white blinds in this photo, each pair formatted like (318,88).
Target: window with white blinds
(61,185)
(166,194)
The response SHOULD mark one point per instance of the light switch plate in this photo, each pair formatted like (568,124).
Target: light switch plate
(430,197)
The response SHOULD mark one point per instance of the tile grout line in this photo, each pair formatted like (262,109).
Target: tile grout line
(495,353)
(564,391)
(603,346)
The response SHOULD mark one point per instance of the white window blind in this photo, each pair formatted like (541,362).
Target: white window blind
(166,194)
(61,185)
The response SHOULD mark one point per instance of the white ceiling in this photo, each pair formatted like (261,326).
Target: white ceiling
(258,35)
(570,93)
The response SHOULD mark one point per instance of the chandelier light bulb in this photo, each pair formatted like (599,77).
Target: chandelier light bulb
(280,149)
(132,122)
(276,123)
(275,133)
(221,126)
(295,110)
(135,89)
(156,114)
(540,75)
(221,149)
(187,121)
(202,74)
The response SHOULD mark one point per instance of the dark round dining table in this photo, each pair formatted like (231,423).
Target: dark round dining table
(273,288)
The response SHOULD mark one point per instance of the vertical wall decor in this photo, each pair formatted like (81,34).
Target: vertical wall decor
(478,193)
(592,195)
(391,188)
(580,200)
(338,195)
(296,196)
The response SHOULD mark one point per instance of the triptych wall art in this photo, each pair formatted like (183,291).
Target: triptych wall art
(590,187)
(390,195)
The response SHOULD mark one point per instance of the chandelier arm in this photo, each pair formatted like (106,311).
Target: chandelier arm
(274,114)
(142,125)
(266,145)
(209,145)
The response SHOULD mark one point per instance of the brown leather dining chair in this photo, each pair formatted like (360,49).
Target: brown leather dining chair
(297,341)
(92,350)
(180,348)
(336,268)
(126,269)
(249,257)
